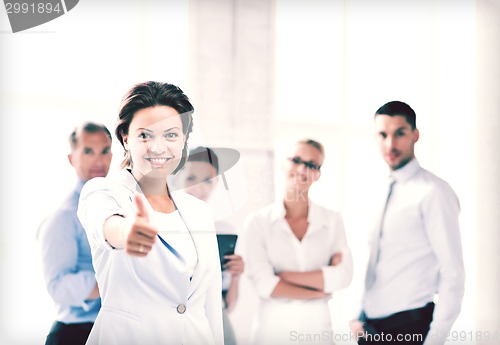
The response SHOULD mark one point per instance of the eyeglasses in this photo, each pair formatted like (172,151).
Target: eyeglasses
(308,165)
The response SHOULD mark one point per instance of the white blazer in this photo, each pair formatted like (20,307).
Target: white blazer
(152,300)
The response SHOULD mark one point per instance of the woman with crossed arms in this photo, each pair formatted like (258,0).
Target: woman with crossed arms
(296,255)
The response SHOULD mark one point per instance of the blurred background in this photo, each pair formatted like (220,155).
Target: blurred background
(261,75)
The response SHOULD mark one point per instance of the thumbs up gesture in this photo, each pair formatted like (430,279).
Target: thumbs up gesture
(141,235)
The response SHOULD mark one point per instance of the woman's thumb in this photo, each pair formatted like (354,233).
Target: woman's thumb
(141,207)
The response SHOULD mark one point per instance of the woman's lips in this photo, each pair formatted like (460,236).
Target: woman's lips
(158,162)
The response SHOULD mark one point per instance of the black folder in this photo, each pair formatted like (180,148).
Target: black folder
(226,243)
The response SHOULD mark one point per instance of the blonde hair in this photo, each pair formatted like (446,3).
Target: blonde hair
(316,144)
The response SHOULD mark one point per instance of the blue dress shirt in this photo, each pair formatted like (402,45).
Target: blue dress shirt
(67,262)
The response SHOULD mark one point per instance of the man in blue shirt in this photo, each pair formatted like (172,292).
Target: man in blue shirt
(66,258)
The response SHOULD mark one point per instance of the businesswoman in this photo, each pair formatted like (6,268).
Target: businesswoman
(296,255)
(154,250)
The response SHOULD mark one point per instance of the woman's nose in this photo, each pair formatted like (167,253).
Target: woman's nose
(158,145)
(300,167)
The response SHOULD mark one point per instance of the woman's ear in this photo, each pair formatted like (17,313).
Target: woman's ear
(125,142)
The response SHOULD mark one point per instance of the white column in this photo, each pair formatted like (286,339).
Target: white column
(232,86)
(232,70)
(488,165)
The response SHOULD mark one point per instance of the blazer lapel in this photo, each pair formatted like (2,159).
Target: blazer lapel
(197,234)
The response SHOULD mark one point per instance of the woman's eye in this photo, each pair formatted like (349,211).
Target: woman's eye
(144,135)
(171,135)
(191,178)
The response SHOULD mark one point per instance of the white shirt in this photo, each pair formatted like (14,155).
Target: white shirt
(271,247)
(420,251)
(173,230)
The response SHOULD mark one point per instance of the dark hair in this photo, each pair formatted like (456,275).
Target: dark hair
(150,94)
(88,127)
(204,154)
(397,108)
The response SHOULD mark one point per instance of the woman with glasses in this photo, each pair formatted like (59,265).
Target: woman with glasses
(154,250)
(296,255)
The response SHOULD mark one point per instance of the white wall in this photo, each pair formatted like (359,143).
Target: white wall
(75,68)
(488,165)
(363,55)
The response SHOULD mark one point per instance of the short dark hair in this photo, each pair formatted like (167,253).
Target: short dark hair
(87,127)
(398,108)
(204,154)
(150,94)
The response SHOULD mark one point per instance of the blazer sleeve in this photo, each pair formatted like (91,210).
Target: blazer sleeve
(99,200)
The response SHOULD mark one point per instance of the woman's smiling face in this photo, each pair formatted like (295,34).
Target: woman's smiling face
(155,140)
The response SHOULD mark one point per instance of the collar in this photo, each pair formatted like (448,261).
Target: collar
(129,181)
(78,187)
(315,216)
(407,172)
(278,211)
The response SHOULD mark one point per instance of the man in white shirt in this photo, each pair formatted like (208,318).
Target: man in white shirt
(416,248)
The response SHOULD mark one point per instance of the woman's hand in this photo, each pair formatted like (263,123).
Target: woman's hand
(141,234)
(336,259)
(235,265)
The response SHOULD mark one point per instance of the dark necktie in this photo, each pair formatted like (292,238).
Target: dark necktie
(375,247)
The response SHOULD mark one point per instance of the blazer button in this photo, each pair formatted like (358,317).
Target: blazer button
(181,308)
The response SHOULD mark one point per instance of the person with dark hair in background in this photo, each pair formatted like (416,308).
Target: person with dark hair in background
(66,258)
(416,248)
(154,250)
(296,256)
(199,178)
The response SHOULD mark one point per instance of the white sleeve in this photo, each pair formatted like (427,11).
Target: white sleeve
(98,201)
(441,210)
(258,266)
(339,276)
